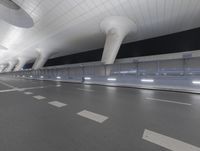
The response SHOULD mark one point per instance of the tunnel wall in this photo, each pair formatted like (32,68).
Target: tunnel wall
(178,42)
(171,74)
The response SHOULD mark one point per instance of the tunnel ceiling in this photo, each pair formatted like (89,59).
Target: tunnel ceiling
(71,26)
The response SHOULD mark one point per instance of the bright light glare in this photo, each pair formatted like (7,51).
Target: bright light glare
(147,80)
(111,79)
(87,78)
(31,76)
(42,77)
(58,77)
(196,82)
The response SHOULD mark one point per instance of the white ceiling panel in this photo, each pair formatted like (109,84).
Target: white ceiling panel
(73,25)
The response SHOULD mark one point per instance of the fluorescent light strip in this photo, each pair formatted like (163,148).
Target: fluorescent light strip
(196,82)
(147,80)
(87,78)
(111,79)
(58,77)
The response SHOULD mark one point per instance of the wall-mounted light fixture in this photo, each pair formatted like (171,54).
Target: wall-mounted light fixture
(87,78)
(58,77)
(111,79)
(147,80)
(196,82)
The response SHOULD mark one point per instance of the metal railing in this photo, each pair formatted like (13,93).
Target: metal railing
(176,73)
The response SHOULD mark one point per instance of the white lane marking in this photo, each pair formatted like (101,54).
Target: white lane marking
(87,90)
(23,89)
(168,142)
(93,116)
(39,97)
(57,104)
(28,93)
(8,90)
(20,90)
(168,101)
(8,85)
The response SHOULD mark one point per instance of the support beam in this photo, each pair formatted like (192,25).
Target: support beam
(116,29)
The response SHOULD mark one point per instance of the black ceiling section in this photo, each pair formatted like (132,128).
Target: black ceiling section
(178,42)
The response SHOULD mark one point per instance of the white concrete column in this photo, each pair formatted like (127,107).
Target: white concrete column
(11,65)
(116,29)
(4,68)
(41,60)
(21,64)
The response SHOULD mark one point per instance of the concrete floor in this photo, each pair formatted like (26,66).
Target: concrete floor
(30,124)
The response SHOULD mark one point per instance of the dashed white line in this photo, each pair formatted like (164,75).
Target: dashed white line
(168,142)
(57,104)
(93,116)
(168,101)
(39,97)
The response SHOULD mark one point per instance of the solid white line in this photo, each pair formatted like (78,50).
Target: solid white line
(23,89)
(8,90)
(8,85)
(87,90)
(39,97)
(168,142)
(57,104)
(93,116)
(168,101)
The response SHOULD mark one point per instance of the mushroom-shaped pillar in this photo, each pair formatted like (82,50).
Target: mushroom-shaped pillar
(21,63)
(41,59)
(11,65)
(116,29)
(3,67)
